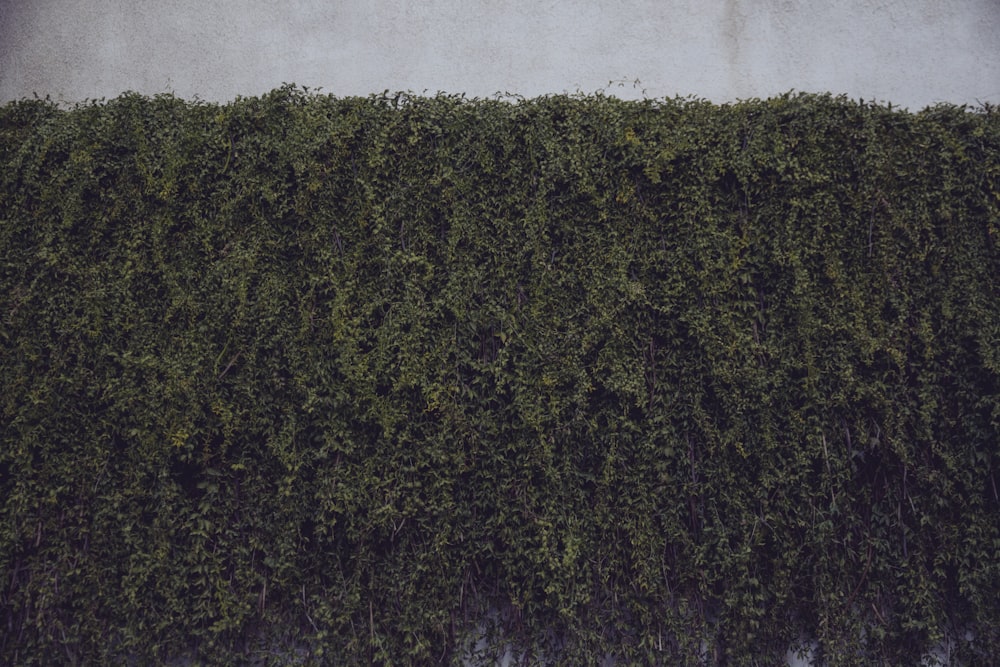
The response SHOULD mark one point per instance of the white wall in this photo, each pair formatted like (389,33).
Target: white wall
(909,52)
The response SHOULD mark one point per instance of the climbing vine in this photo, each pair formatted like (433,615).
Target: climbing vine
(402,380)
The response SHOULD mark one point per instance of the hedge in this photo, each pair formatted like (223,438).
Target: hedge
(414,380)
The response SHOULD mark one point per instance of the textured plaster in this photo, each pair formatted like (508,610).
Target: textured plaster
(908,52)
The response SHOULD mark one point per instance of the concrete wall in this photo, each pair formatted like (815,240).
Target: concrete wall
(908,52)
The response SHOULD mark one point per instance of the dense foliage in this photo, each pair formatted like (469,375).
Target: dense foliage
(376,378)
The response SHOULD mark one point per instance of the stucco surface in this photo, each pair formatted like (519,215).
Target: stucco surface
(908,52)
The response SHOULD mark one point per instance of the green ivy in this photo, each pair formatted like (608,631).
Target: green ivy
(368,377)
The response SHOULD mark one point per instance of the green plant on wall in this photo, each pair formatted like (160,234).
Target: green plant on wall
(675,382)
